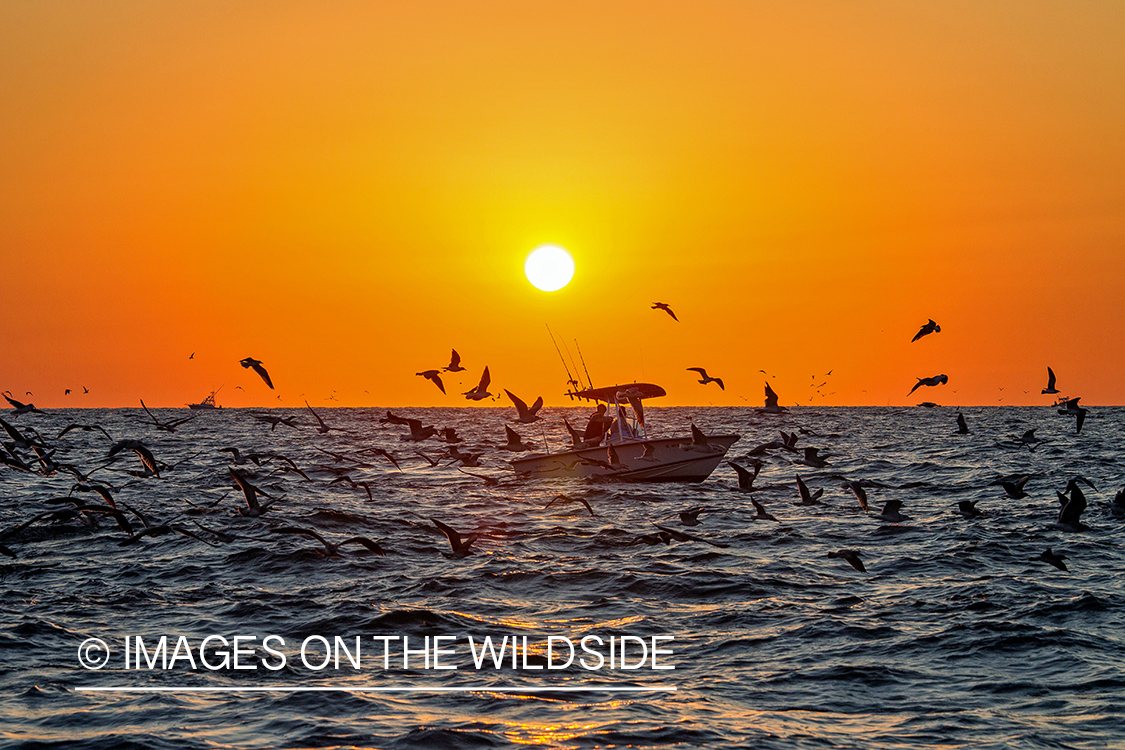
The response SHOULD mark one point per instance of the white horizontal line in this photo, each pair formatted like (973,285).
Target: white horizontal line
(392,689)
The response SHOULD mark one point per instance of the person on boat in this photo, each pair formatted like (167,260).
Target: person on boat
(597,426)
(621,425)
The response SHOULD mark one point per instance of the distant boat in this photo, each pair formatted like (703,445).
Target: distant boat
(207,403)
(628,453)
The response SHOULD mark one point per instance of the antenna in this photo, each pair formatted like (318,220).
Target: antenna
(588,380)
(570,381)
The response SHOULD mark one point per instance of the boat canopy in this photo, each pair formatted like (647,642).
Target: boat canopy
(629,391)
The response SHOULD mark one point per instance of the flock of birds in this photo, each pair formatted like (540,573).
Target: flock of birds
(27,450)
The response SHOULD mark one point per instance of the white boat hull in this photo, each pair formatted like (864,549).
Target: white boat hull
(673,460)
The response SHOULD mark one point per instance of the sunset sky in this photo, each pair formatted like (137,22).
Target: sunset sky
(346,191)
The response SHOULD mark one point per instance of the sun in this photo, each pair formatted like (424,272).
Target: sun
(549,268)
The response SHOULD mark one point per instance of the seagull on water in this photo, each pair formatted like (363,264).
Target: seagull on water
(705,378)
(256,365)
(1117,506)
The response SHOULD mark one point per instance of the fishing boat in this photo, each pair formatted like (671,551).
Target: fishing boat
(207,403)
(627,452)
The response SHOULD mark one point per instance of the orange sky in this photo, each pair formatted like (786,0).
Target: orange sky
(347,190)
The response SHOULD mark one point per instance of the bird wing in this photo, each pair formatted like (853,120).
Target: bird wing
(803,490)
(720,382)
(154,419)
(1050,379)
(368,543)
(485,379)
(451,534)
(299,530)
(315,415)
(521,407)
(437,381)
(700,370)
(147,459)
(248,490)
(537,405)
(265,375)
(454,360)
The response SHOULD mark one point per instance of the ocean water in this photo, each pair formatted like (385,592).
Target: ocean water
(957,635)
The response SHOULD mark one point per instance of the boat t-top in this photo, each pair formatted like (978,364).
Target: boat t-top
(207,403)
(626,451)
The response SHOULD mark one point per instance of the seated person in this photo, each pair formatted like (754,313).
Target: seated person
(596,427)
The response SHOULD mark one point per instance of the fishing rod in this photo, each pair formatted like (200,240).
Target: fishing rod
(570,381)
(588,379)
(571,358)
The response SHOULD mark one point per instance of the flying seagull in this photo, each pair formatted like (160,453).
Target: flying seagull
(454,363)
(852,558)
(481,391)
(256,365)
(707,378)
(434,376)
(461,546)
(526,415)
(1053,558)
(664,306)
(321,427)
(926,330)
(935,380)
(746,477)
(772,406)
(808,498)
(1071,408)
(1050,382)
(330,549)
(566,499)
